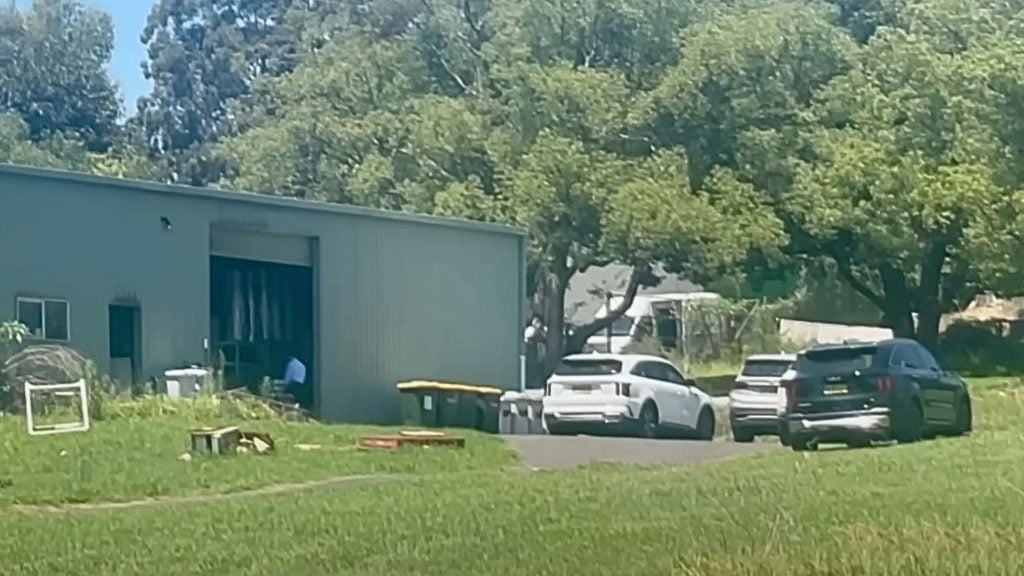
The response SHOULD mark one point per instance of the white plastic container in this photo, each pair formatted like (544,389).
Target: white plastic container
(521,412)
(184,382)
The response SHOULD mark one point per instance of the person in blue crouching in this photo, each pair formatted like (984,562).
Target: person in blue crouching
(295,380)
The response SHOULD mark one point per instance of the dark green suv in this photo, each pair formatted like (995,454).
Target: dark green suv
(857,393)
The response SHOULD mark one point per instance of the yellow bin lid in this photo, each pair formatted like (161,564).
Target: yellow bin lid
(449,387)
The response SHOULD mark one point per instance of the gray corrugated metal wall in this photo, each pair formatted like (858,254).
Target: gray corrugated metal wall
(398,298)
(420,302)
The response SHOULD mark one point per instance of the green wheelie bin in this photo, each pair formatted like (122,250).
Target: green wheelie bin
(440,404)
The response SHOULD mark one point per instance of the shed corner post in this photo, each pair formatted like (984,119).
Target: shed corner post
(523,312)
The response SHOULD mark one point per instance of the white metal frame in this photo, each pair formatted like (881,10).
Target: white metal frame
(42,306)
(64,428)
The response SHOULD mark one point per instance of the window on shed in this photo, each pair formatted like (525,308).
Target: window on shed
(46,319)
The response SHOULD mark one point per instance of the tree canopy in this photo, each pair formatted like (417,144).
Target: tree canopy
(53,74)
(469,111)
(882,155)
(879,140)
(206,56)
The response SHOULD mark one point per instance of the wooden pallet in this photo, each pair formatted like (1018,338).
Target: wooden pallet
(396,441)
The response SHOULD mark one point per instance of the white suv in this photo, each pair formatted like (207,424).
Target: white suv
(632,394)
(755,401)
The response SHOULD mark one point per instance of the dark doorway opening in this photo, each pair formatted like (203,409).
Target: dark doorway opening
(261,316)
(125,344)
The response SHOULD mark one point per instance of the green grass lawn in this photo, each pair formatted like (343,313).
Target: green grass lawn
(128,459)
(950,506)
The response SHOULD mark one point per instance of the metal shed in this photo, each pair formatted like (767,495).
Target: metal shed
(143,277)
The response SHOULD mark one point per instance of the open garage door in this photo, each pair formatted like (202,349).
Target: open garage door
(250,245)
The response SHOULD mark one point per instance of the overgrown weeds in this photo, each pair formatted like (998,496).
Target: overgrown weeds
(201,408)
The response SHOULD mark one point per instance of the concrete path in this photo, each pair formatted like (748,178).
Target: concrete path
(566,452)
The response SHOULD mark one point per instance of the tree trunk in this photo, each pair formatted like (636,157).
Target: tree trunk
(929,297)
(898,307)
(899,318)
(554,284)
(898,302)
(559,344)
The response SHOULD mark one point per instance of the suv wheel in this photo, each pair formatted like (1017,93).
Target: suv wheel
(647,423)
(964,417)
(741,435)
(706,425)
(783,434)
(909,424)
(799,444)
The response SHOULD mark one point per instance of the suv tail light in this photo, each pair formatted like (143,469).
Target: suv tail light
(547,389)
(885,384)
(739,385)
(623,388)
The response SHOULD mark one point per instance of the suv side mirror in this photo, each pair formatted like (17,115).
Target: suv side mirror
(690,382)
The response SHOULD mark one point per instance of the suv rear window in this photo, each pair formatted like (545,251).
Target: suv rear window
(588,367)
(839,360)
(765,368)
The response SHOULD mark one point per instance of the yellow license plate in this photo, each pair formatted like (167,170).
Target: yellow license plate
(835,389)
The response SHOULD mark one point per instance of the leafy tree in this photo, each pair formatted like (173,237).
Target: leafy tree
(327,130)
(876,142)
(587,208)
(882,164)
(509,140)
(862,18)
(743,74)
(206,54)
(17,147)
(123,160)
(53,75)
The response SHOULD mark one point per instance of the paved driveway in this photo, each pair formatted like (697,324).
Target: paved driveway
(564,452)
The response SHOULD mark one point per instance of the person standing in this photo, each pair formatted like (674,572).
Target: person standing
(535,332)
(535,337)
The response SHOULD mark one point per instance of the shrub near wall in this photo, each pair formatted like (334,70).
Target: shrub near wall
(203,408)
(12,335)
(979,350)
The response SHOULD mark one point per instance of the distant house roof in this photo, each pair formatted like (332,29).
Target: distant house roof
(586,291)
(130,186)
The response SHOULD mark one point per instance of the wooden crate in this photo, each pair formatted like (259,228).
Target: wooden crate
(216,440)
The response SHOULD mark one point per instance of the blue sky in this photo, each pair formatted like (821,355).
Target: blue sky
(125,66)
